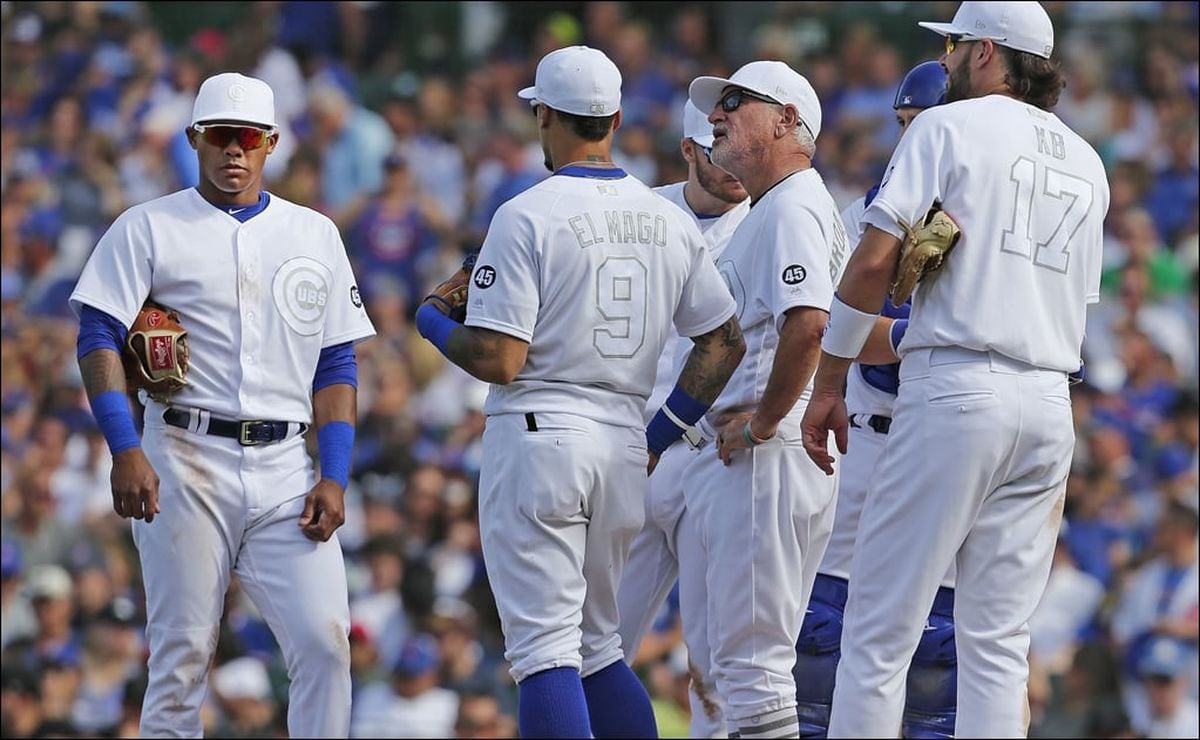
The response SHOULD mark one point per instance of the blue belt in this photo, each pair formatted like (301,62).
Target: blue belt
(248,433)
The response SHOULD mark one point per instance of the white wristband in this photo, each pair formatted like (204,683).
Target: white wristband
(847,330)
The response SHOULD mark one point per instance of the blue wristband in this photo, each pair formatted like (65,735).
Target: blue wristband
(679,412)
(111,409)
(335,443)
(435,326)
(899,326)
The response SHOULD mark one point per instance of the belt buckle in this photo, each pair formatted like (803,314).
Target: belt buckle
(244,431)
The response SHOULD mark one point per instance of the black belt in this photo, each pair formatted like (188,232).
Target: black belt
(248,433)
(881,424)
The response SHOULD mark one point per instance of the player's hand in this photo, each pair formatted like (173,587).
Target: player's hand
(324,510)
(730,436)
(826,411)
(651,463)
(134,485)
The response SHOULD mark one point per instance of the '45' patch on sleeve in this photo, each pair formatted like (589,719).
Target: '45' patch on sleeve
(794,274)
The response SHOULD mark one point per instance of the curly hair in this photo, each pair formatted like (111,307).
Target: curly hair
(1034,79)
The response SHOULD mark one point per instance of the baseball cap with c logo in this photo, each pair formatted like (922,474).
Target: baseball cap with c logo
(577,79)
(230,96)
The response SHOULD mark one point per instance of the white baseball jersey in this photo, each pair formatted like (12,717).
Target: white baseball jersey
(592,273)
(1029,256)
(717,231)
(790,259)
(259,299)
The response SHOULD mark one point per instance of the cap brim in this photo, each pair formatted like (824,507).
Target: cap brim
(942,29)
(234,117)
(706,91)
(528,93)
(704,140)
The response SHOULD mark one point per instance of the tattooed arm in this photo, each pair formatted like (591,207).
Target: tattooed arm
(488,355)
(712,361)
(134,482)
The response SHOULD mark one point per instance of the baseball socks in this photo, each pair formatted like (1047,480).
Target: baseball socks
(780,723)
(552,704)
(618,703)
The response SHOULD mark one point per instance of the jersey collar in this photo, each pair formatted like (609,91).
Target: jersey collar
(245,213)
(598,173)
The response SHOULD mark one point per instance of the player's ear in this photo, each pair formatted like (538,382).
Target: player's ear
(687,149)
(616,121)
(272,141)
(985,50)
(789,120)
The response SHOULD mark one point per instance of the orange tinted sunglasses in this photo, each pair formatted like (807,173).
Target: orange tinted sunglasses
(248,137)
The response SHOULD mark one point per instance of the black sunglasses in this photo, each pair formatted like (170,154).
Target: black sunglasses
(733,99)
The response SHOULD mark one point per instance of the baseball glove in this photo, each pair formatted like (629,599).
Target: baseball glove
(925,247)
(156,352)
(451,294)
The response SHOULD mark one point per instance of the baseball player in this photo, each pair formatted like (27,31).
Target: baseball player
(763,510)
(975,465)
(668,547)
(571,301)
(221,482)
(870,398)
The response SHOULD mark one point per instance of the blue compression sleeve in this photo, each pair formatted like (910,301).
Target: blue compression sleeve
(337,364)
(679,412)
(335,442)
(435,326)
(98,330)
(111,410)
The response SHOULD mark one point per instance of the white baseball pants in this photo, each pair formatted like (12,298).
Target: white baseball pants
(763,522)
(558,509)
(668,547)
(974,471)
(213,524)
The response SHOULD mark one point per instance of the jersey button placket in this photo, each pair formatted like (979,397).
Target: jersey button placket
(250,298)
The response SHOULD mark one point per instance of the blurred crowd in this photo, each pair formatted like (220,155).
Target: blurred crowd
(402,125)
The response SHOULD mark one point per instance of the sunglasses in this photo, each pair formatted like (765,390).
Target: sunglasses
(733,99)
(248,137)
(953,40)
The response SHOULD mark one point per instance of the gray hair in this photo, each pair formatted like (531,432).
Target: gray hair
(804,137)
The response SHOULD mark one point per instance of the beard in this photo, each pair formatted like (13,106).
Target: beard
(958,86)
(712,180)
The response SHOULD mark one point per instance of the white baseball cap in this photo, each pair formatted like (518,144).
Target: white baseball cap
(578,80)
(774,80)
(696,126)
(243,678)
(230,96)
(1024,26)
(50,582)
